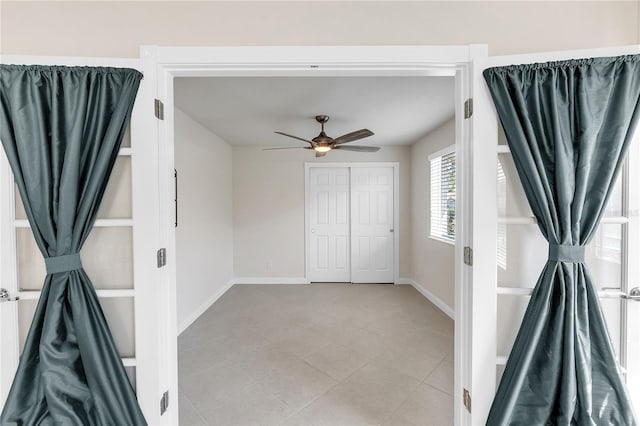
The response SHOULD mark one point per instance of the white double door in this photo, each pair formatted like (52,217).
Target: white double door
(350,216)
(119,255)
(611,256)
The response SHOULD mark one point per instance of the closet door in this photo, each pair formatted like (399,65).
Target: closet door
(372,232)
(328,204)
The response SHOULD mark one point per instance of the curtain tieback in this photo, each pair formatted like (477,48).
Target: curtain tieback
(64,263)
(566,253)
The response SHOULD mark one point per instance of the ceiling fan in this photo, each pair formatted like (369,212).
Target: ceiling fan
(323,143)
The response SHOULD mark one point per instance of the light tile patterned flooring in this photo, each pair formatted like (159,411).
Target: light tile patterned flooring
(320,354)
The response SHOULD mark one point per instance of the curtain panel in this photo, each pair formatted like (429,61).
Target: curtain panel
(568,125)
(61,128)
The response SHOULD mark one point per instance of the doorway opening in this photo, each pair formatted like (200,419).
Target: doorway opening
(362,63)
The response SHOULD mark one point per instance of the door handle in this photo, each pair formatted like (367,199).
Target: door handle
(313,231)
(5,297)
(175,187)
(634,294)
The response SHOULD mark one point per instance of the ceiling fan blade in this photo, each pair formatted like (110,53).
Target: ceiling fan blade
(358,148)
(353,136)
(295,137)
(287,147)
(320,154)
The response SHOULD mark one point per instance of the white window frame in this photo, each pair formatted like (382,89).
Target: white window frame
(451,149)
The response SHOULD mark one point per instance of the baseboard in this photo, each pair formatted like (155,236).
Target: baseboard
(206,305)
(403,281)
(448,310)
(270,280)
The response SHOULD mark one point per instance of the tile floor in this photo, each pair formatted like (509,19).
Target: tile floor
(320,354)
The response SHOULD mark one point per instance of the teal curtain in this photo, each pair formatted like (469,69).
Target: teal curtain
(61,128)
(568,125)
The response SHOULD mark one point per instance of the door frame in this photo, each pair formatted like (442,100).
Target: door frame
(396,210)
(289,61)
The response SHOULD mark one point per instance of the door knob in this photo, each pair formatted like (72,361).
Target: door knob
(313,230)
(5,297)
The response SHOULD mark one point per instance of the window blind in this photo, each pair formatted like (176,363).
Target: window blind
(443,195)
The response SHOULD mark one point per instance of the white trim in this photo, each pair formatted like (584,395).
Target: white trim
(514,291)
(448,310)
(102,294)
(444,151)
(396,207)
(396,220)
(364,58)
(403,281)
(203,308)
(527,291)
(99,223)
(78,61)
(343,61)
(443,240)
(271,280)
(530,220)
(464,276)
(10,348)
(517,220)
(129,362)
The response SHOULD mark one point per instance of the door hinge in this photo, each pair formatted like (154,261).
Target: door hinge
(468,108)
(466,399)
(164,402)
(158,109)
(468,256)
(162,257)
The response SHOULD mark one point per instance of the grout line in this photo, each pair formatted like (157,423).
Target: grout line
(312,401)
(402,402)
(439,390)
(193,406)
(424,382)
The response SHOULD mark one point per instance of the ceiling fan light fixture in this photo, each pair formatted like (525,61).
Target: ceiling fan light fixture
(322,143)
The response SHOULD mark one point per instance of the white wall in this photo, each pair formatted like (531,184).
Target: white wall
(58,28)
(204,240)
(268,208)
(432,260)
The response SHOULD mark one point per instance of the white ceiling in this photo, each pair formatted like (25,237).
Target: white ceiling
(247,110)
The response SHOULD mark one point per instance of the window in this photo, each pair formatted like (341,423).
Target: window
(608,240)
(609,236)
(502,213)
(443,194)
